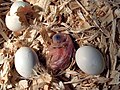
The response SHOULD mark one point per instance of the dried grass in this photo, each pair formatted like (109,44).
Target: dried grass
(89,22)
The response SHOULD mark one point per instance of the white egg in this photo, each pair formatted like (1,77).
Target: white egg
(16,5)
(13,23)
(25,60)
(90,60)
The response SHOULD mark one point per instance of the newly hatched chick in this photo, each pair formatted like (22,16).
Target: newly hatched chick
(60,52)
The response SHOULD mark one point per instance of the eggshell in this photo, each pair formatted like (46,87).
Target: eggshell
(16,5)
(90,60)
(25,60)
(13,23)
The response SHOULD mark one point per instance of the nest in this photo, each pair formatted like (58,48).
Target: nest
(88,22)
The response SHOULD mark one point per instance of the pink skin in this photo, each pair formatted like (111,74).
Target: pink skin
(60,53)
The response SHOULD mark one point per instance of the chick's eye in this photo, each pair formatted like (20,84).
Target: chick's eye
(57,38)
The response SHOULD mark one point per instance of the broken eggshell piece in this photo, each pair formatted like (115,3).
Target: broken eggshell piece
(25,60)
(60,52)
(16,5)
(90,60)
(17,18)
(13,23)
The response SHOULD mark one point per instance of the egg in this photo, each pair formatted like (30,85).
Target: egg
(13,23)
(25,60)
(16,5)
(90,60)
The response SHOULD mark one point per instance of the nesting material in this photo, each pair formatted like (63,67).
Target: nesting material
(93,23)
